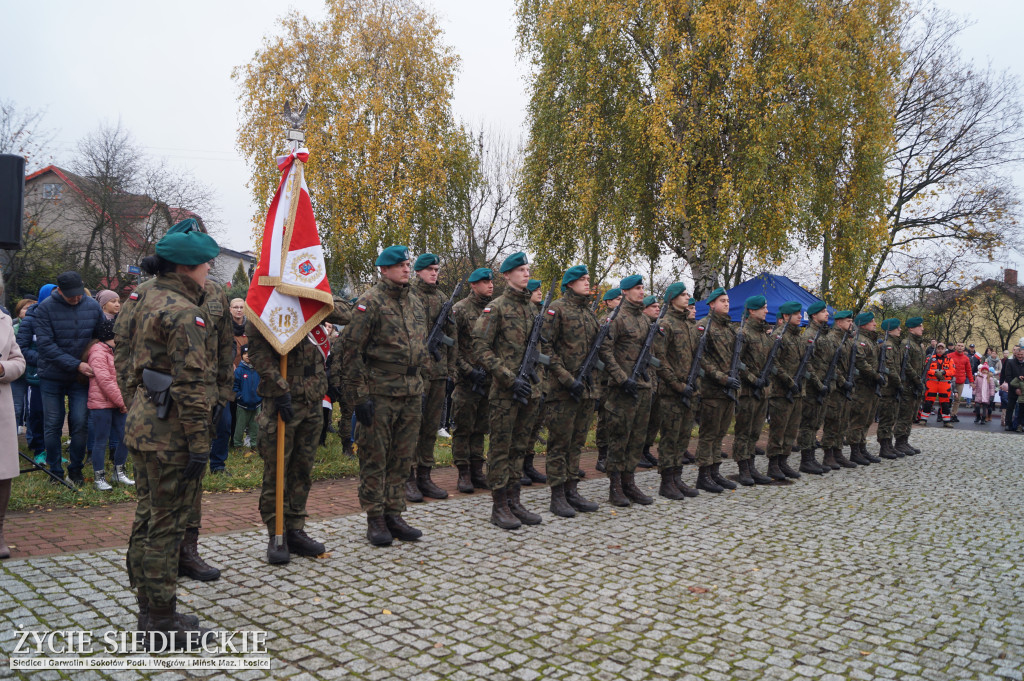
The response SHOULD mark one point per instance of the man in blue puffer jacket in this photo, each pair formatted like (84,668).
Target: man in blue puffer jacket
(27,343)
(63,324)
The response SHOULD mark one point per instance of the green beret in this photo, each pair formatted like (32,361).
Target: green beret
(631,281)
(392,255)
(790,307)
(612,294)
(187,248)
(674,290)
(863,318)
(755,302)
(185,226)
(572,274)
(717,293)
(844,314)
(480,273)
(425,261)
(915,321)
(890,324)
(815,308)
(513,261)
(650,300)
(692,301)
(533,284)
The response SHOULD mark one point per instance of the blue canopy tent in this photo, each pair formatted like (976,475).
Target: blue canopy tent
(776,289)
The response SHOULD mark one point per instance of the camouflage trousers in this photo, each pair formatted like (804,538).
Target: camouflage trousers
(837,420)
(812,415)
(511,430)
(165,502)
(568,424)
(470,422)
(627,427)
(862,414)
(301,438)
(385,451)
(908,407)
(539,422)
(433,405)
(783,424)
(676,430)
(888,411)
(655,422)
(750,416)
(715,416)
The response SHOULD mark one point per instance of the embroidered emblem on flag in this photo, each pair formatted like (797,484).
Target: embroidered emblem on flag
(200,322)
(306,268)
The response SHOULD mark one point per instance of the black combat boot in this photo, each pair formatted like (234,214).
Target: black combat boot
(902,445)
(187,621)
(758,477)
(616,497)
(645,459)
(632,492)
(559,504)
(885,449)
(580,473)
(278,555)
(867,455)
(774,471)
(517,508)
(500,513)
(602,458)
(856,457)
(190,564)
(166,631)
(576,500)
(426,486)
(828,460)
(412,491)
(745,478)
(377,531)
(400,529)
(532,473)
(837,455)
(476,474)
(465,483)
(705,481)
(668,486)
(785,467)
(346,447)
(759,452)
(688,459)
(910,446)
(301,544)
(677,478)
(808,464)
(720,479)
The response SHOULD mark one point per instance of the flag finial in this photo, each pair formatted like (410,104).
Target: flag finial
(296,121)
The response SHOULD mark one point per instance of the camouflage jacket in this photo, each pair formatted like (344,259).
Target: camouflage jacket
(787,361)
(570,328)
(915,364)
(500,336)
(817,365)
(432,300)
(621,347)
(385,345)
(307,375)
(830,344)
(466,312)
(169,335)
(717,355)
(758,339)
(867,358)
(893,357)
(843,366)
(678,348)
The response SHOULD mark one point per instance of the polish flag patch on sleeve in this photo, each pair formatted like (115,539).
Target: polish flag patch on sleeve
(200,322)
(361,308)
(487,309)
(134,295)
(551,312)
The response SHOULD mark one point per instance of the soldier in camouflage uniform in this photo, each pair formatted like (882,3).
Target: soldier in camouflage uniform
(500,337)
(570,329)
(169,336)
(435,375)
(647,460)
(716,410)
(785,413)
(611,300)
(627,404)
(812,413)
(470,412)
(752,408)
(836,409)
(865,403)
(913,386)
(679,344)
(530,474)
(889,400)
(384,347)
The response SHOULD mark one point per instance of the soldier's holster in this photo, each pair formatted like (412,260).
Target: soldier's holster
(158,389)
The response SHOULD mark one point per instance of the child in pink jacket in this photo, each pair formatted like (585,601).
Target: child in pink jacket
(106,407)
(984,390)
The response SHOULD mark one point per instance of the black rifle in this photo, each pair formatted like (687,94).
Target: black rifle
(801,370)
(852,371)
(735,364)
(903,370)
(691,378)
(927,365)
(532,356)
(882,371)
(830,375)
(769,364)
(592,360)
(644,359)
(597,301)
(437,335)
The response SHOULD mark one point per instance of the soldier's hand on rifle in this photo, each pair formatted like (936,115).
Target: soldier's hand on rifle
(477,375)
(364,413)
(334,392)
(576,389)
(522,389)
(760,383)
(687,391)
(847,386)
(284,407)
(196,464)
(732,383)
(882,379)
(629,387)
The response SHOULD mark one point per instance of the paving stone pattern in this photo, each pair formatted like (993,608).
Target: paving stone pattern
(905,570)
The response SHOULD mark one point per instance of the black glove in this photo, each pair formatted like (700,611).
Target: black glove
(477,375)
(576,390)
(629,387)
(284,407)
(882,379)
(687,391)
(334,393)
(522,389)
(196,464)
(732,383)
(364,413)
(760,383)
(848,386)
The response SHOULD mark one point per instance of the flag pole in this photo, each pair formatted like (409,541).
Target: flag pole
(279,483)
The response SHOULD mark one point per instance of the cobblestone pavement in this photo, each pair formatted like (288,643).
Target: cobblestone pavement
(904,570)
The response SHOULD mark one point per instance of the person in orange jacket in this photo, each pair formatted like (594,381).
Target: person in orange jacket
(941,371)
(962,375)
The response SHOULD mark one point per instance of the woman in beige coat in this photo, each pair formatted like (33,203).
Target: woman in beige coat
(12,366)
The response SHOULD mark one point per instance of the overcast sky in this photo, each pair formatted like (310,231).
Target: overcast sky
(164,71)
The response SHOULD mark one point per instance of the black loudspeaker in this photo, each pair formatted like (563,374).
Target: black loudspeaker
(12,200)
